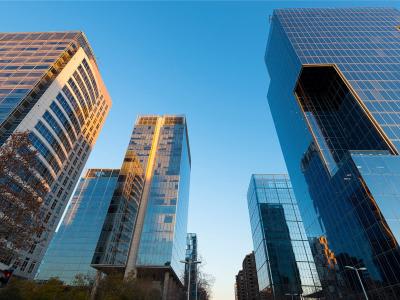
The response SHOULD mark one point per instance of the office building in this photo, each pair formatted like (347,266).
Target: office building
(50,85)
(113,245)
(162,147)
(336,109)
(240,286)
(71,250)
(191,258)
(284,263)
(246,286)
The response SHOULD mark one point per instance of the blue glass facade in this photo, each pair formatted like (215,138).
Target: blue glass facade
(116,235)
(163,238)
(162,147)
(284,260)
(340,89)
(71,249)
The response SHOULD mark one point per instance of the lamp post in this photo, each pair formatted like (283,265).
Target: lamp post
(190,262)
(292,295)
(359,278)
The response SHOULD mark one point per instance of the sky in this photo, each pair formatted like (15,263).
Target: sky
(204,60)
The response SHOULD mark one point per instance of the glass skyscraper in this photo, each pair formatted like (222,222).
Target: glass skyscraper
(112,248)
(336,108)
(50,85)
(73,245)
(161,145)
(285,265)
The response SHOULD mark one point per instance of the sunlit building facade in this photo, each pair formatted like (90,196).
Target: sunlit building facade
(284,262)
(162,147)
(113,245)
(71,250)
(50,86)
(336,109)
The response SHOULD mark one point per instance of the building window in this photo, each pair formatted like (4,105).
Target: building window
(168,219)
(24,264)
(31,267)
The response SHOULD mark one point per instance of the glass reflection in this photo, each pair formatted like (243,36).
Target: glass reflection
(284,261)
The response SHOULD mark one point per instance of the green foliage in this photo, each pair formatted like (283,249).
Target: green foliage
(53,289)
(111,287)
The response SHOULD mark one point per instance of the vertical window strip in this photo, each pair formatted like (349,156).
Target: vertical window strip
(47,135)
(64,121)
(58,130)
(88,83)
(89,71)
(44,151)
(72,100)
(69,111)
(84,89)
(79,95)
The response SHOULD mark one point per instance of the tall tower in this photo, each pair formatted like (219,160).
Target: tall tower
(246,285)
(50,85)
(335,99)
(161,145)
(285,266)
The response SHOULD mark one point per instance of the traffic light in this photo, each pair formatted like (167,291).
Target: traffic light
(5,276)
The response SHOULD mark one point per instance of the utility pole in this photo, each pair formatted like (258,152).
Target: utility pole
(190,262)
(359,278)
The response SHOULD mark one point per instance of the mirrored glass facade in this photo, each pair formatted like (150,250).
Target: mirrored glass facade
(162,147)
(336,108)
(116,235)
(285,264)
(51,87)
(71,249)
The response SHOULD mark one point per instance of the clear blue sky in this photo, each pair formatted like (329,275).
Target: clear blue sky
(201,59)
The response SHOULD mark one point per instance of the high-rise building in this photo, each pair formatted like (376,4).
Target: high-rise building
(246,287)
(285,266)
(336,108)
(162,147)
(71,250)
(191,267)
(113,245)
(240,286)
(50,85)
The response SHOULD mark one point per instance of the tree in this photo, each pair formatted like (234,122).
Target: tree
(21,194)
(205,282)
(20,289)
(115,287)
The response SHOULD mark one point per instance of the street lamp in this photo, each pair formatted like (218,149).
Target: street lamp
(292,295)
(359,278)
(190,262)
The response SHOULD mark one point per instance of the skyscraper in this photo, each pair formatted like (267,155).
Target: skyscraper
(240,286)
(50,86)
(71,250)
(246,286)
(162,147)
(284,262)
(336,108)
(113,245)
